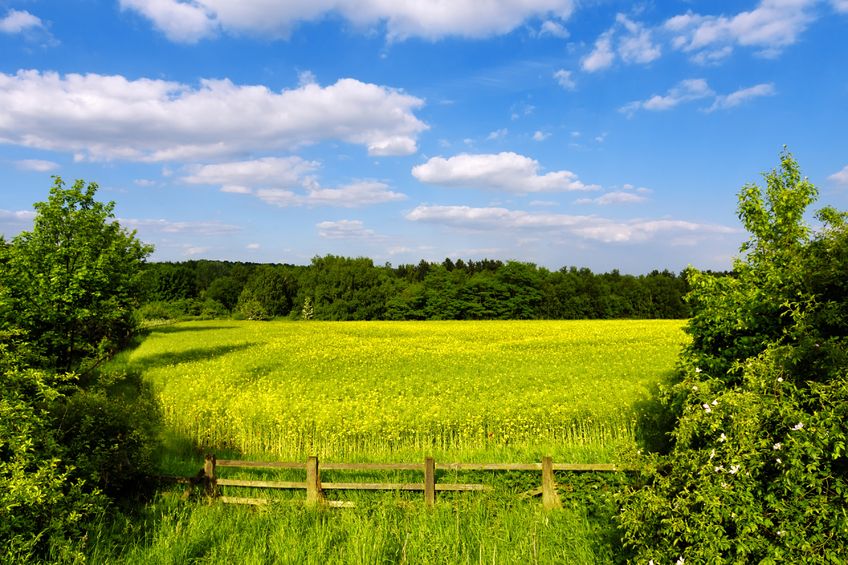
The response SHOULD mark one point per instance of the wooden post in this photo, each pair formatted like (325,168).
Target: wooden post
(429,481)
(550,498)
(313,481)
(210,481)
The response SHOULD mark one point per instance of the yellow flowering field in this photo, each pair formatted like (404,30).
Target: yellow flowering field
(396,390)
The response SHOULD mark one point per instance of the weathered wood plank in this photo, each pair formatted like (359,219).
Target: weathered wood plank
(261,484)
(489,466)
(261,464)
(372,486)
(313,481)
(372,467)
(243,500)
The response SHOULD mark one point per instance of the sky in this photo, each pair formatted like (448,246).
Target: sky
(600,134)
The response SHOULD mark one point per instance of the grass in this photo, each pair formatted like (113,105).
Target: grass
(393,392)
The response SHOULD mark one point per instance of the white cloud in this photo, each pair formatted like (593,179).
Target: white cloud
(637,45)
(170,227)
(840,177)
(497,134)
(771,26)
(112,117)
(540,135)
(190,22)
(243,176)
(18,21)
(345,229)
(585,227)
(741,95)
(684,91)
(840,5)
(37,165)
(554,29)
(252,246)
(288,181)
(565,79)
(602,56)
(615,197)
(506,171)
(354,195)
(19,215)
(629,40)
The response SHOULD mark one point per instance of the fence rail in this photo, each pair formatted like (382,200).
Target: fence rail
(209,480)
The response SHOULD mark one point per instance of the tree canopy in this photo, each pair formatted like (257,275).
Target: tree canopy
(71,283)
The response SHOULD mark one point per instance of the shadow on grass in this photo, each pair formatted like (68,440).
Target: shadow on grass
(180,327)
(187,356)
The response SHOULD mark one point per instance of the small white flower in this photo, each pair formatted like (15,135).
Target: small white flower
(718,469)
(679,561)
(781,533)
(722,438)
(777,446)
(780,379)
(734,469)
(697,369)
(712,454)
(715,402)
(798,426)
(651,562)
(695,388)
(707,408)
(779,460)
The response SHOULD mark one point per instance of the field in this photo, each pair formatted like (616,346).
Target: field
(389,390)
(396,392)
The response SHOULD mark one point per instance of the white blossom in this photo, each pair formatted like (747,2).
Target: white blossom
(777,446)
(780,379)
(722,438)
(707,408)
(798,426)
(679,561)
(715,402)
(734,469)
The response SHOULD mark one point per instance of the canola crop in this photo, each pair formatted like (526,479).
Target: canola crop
(359,390)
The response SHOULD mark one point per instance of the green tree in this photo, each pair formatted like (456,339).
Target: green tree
(72,282)
(758,471)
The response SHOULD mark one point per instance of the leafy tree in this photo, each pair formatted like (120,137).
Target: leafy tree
(72,281)
(758,471)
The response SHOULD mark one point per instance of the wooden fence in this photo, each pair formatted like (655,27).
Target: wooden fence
(209,479)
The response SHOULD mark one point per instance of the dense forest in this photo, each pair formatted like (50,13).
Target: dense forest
(340,288)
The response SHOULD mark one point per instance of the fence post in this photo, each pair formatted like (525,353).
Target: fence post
(313,481)
(429,481)
(210,481)
(550,498)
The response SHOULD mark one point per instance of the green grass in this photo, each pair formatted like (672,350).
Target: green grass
(393,392)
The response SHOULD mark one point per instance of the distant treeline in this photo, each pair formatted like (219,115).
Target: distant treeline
(340,288)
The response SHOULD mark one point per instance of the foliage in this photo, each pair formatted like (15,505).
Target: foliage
(42,506)
(356,289)
(758,470)
(72,281)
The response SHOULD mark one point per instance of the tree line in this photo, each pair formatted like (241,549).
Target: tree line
(343,288)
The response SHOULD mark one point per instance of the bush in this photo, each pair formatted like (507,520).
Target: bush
(758,469)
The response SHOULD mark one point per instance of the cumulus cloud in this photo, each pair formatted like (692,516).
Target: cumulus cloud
(770,27)
(554,29)
(345,229)
(19,21)
(505,171)
(602,56)
(192,21)
(627,39)
(37,165)
(565,80)
(288,182)
(840,177)
(244,176)
(540,135)
(743,94)
(100,117)
(595,228)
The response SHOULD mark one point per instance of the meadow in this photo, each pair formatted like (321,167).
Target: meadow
(394,392)
(484,391)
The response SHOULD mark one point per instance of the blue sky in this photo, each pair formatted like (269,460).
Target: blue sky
(600,134)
